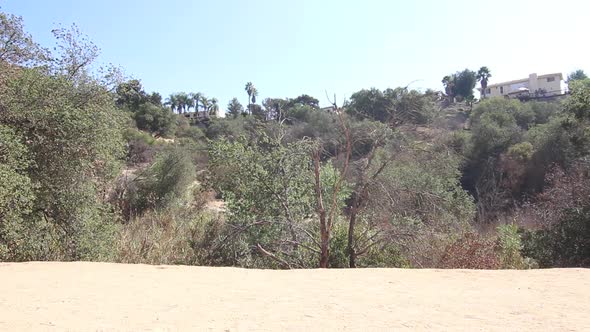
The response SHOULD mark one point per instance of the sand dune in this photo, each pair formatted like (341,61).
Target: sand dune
(116,297)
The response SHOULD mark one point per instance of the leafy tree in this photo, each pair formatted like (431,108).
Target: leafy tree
(130,94)
(75,145)
(464,83)
(16,194)
(164,183)
(304,100)
(75,53)
(576,75)
(17,46)
(155,98)
(395,106)
(483,75)
(269,194)
(155,119)
(579,102)
(234,108)
(370,104)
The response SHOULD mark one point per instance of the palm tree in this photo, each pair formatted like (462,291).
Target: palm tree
(249,90)
(205,104)
(483,75)
(254,95)
(184,102)
(172,101)
(196,98)
(449,83)
(213,108)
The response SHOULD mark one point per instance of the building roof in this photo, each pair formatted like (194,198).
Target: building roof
(524,80)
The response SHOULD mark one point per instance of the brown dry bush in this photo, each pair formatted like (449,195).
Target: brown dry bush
(471,251)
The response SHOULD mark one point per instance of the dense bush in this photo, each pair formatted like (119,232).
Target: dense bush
(471,251)
(164,183)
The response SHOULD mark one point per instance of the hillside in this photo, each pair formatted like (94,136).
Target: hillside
(99,296)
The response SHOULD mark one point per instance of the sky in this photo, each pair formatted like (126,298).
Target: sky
(289,48)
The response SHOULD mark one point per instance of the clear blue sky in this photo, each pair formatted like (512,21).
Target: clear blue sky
(287,48)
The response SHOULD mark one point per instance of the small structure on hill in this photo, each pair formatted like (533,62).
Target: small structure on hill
(535,86)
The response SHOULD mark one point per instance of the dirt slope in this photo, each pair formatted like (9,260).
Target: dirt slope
(113,297)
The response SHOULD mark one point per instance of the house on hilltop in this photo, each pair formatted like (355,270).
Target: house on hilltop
(532,87)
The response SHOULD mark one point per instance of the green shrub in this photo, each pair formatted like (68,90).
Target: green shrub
(164,183)
(565,244)
(510,246)
(171,236)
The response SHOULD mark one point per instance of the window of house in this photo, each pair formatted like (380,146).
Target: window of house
(550,79)
(501,90)
(488,91)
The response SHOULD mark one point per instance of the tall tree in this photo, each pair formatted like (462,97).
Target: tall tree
(250,90)
(172,102)
(449,84)
(234,108)
(17,46)
(130,94)
(305,100)
(214,107)
(483,75)
(465,83)
(576,75)
(185,102)
(196,98)
(205,104)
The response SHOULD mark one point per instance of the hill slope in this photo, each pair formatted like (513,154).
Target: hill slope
(97,296)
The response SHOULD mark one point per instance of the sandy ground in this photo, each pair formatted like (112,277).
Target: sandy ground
(114,297)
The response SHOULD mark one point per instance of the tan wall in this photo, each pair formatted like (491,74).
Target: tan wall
(553,87)
(534,83)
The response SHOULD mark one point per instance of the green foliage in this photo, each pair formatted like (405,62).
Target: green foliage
(155,119)
(130,94)
(17,46)
(164,183)
(234,108)
(483,76)
(16,193)
(300,113)
(419,199)
(559,141)
(269,194)
(397,106)
(510,247)
(464,83)
(576,75)
(494,127)
(566,244)
(75,143)
(579,102)
(170,236)
(544,110)
(459,141)
(521,151)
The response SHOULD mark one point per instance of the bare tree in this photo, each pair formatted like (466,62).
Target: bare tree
(326,217)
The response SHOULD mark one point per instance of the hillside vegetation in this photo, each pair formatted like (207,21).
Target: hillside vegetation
(93,167)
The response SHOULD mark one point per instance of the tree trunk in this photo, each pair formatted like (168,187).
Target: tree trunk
(324,227)
(325,243)
(351,226)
